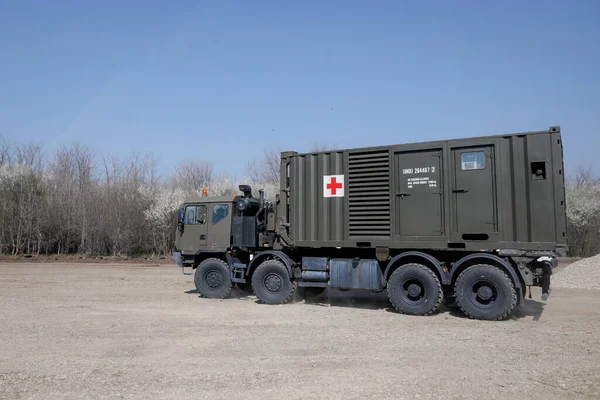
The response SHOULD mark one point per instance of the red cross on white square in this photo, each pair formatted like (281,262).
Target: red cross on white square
(333,186)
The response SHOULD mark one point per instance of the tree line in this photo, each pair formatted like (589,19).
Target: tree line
(75,201)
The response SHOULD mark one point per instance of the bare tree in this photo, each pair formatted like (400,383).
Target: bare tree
(5,151)
(21,195)
(584,176)
(266,169)
(194,175)
(321,147)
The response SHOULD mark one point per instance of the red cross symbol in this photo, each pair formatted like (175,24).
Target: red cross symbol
(334,185)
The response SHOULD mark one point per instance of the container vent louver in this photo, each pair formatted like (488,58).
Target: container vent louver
(369,194)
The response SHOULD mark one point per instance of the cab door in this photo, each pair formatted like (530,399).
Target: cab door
(195,226)
(220,226)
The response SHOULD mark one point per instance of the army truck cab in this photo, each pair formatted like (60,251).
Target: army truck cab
(475,220)
(216,231)
(204,227)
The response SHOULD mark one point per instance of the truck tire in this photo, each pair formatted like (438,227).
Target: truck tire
(485,292)
(271,283)
(213,279)
(414,289)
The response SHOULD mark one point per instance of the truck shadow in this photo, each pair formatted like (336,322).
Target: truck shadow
(530,308)
(378,301)
(236,293)
(349,299)
(356,299)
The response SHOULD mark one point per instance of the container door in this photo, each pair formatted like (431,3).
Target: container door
(419,194)
(193,236)
(474,193)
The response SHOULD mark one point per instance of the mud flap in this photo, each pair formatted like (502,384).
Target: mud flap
(545,281)
(548,264)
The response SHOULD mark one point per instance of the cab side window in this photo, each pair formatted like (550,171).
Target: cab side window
(195,215)
(220,211)
(190,215)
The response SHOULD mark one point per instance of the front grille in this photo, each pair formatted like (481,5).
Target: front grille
(369,194)
(244,231)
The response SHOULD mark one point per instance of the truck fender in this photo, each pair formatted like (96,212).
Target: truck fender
(202,255)
(445,277)
(491,257)
(281,256)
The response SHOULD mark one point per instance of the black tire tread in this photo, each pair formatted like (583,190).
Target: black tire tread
(439,299)
(226,293)
(505,278)
(266,264)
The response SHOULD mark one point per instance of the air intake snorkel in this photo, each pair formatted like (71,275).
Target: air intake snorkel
(246,204)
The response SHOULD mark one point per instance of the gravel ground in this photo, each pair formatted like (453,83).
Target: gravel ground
(133,331)
(583,274)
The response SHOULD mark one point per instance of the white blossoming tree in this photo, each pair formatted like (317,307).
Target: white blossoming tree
(583,212)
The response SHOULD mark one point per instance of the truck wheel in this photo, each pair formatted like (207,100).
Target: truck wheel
(213,279)
(485,292)
(415,290)
(271,283)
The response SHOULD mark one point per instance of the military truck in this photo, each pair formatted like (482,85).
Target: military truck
(473,221)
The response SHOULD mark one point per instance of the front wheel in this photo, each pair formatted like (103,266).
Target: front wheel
(271,283)
(213,279)
(485,292)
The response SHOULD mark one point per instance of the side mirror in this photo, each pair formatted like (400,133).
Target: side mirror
(180,217)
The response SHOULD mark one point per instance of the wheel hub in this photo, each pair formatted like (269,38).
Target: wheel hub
(273,283)
(484,293)
(213,279)
(414,290)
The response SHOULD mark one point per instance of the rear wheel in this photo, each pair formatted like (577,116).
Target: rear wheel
(271,283)
(485,292)
(415,290)
(213,279)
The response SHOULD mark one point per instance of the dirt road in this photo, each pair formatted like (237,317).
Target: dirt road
(134,331)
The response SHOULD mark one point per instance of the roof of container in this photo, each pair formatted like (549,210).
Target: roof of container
(432,142)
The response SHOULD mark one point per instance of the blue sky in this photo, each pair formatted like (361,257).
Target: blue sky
(178,78)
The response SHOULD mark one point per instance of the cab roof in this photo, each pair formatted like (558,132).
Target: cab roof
(210,199)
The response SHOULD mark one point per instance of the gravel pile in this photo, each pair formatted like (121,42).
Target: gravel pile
(583,274)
